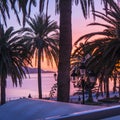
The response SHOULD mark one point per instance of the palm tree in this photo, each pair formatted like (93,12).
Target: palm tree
(4,10)
(14,57)
(105,45)
(65,9)
(86,4)
(105,48)
(45,42)
(24,7)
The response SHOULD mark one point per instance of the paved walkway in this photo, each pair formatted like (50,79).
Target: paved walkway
(31,109)
(113,118)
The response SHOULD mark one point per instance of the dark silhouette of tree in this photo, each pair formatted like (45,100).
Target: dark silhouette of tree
(44,42)
(104,49)
(14,57)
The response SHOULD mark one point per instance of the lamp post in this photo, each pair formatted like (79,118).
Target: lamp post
(55,76)
(89,77)
(92,77)
(84,77)
(83,90)
(83,73)
(76,81)
(92,80)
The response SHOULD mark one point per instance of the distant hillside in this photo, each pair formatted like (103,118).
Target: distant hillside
(34,70)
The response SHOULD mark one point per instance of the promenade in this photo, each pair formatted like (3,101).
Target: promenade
(34,109)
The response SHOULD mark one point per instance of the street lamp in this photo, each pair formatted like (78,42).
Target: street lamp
(92,76)
(84,78)
(55,76)
(83,73)
(87,76)
(76,80)
(82,69)
(92,80)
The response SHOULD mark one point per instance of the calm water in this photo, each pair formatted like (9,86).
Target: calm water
(30,86)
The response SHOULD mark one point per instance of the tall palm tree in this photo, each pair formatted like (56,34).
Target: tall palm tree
(86,4)
(14,57)
(65,9)
(107,44)
(45,42)
(105,48)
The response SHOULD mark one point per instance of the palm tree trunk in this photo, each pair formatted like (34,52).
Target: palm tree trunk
(104,86)
(115,84)
(101,87)
(39,75)
(119,88)
(90,98)
(65,51)
(3,91)
(107,88)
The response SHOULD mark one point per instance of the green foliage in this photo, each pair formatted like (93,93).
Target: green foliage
(23,6)
(104,49)
(14,55)
(43,36)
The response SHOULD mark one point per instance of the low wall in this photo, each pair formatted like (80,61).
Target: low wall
(93,114)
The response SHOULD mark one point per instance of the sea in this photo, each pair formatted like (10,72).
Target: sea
(30,86)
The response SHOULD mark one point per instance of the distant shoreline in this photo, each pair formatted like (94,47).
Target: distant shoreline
(35,70)
(42,72)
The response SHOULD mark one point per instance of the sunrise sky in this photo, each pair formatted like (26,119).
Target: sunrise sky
(79,23)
